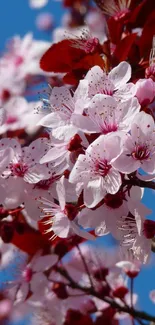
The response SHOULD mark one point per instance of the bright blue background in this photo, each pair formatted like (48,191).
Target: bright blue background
(16,17)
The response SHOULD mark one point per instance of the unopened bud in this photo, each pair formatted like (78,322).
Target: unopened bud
(145,91)
(120,292)
(60,290)
(6,231)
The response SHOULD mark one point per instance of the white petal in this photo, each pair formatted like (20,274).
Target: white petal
(38,282)
(146,177)
(81,232)
(5,157)
(52,120)
(36,174)
(53,154)
(45,262)
(121,74)
(93,193)
(80,171)
(61,225)
(22,292)
(61,193)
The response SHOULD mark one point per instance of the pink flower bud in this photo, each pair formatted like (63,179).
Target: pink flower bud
(150,72)
(145,91)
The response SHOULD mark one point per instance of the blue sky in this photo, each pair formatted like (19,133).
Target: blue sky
(17,18)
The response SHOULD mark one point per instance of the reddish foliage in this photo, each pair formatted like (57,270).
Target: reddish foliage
(123,48)
(63,57)
(115,30)
(140,13)
(30,241)
(145,42)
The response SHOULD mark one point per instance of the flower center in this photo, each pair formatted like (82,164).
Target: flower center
(107,127)
(11,119)
(90,45)
(18,169)
(18,60)
(140,152)
(27,274)
(102,167)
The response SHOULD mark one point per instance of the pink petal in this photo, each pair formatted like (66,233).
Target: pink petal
(61,225)
(22,292)
(5,157)
(93,193)
(53,120)
(61,193)
(38,282)
(43,263)
(82,233)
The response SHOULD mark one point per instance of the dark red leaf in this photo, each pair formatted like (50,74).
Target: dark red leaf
(145,43)
(123,48)
(60,57)
(81,68)
(141,12)
(30,241)
(115,30)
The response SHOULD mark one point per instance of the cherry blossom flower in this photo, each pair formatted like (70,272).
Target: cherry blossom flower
(60,221)
(105,115)
(114,84)
(10,84)
(24,55)
(25,162)
(109,218)
(32,276)
(138,148)
(95,169)
(18,114)
(63,105)
(64,146)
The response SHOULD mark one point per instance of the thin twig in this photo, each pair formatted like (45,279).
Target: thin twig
(86,267)
(140,183)
(90,291)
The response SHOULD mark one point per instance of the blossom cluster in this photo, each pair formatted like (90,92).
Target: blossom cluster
(74,164)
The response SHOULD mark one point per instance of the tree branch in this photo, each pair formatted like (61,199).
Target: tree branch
(140,183)
(90,291)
